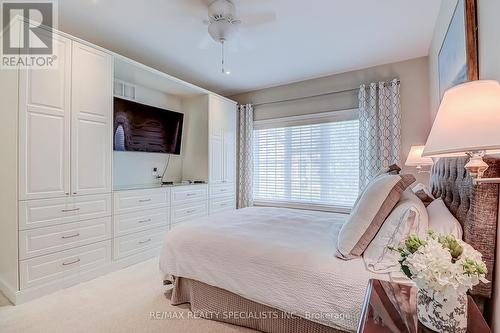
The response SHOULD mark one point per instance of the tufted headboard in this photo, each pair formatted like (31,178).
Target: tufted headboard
(475,206)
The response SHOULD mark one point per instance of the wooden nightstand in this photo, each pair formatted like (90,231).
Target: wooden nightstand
(391,307)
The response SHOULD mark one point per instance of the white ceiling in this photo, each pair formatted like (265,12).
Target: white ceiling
(309,38)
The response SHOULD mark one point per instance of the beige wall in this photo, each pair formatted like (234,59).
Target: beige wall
(414,98)
(489,68)
(444,18)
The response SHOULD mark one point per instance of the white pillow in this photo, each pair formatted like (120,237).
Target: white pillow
(407,218)
(441,221)
(370,212)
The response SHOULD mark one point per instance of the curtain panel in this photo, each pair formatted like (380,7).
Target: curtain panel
(379,128)
(245,156)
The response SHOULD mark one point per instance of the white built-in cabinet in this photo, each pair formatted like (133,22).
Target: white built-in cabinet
(222,154)
(222,140)
(64,207)
(61,221)
(65,123)
(212,119)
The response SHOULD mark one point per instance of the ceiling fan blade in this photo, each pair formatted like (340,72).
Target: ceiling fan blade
(186,8)
(251,20)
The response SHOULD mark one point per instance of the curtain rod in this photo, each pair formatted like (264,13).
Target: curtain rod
(310,96)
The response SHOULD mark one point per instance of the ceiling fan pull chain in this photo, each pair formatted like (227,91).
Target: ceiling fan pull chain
(223,70)
(222,46)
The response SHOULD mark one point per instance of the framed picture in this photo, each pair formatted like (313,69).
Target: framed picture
(458,58)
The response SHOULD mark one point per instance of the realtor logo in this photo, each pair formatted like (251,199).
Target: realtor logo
(27,34)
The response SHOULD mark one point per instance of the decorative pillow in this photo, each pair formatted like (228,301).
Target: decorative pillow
(423,193)
(421,187)
(367,216)
(441,221)
(407,218)
(424,197)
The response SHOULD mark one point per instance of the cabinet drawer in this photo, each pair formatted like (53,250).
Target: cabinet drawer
(49,212)
(189,211)
(64,265)
(46,240)
(139,221)
(222,204)
(134,200)
(221,190)
(183,194)
(134,243)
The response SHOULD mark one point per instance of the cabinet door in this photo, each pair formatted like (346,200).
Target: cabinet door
(44,127)
(216,116)
(91,121)
(216,159)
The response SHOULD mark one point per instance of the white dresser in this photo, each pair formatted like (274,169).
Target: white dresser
(140,220)
(142,217)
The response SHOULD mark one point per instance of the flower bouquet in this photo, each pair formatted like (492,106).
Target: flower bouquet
(444,269)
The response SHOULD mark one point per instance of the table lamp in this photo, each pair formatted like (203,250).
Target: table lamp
(415,158)
(468,123)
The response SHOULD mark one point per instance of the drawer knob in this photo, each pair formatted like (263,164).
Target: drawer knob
(72,236)
(145,241)
(70,210)
(191,211)
(144,221)
(144,200)
(71,262)
(190,194)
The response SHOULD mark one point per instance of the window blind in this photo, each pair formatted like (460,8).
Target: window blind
(315,164)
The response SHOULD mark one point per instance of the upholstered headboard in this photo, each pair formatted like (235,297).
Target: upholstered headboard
(475,206)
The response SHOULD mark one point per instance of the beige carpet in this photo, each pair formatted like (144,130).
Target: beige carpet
(118,302)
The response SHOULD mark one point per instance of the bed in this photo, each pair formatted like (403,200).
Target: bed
(275,270)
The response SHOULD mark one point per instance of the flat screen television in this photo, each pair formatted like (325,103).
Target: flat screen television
(140,127)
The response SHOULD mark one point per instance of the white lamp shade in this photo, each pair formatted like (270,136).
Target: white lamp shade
(468,120)
(415,157)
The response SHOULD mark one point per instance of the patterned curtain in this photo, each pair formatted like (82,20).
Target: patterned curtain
(379,128)
(245,160)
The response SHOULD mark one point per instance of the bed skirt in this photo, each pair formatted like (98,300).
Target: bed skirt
(221,305)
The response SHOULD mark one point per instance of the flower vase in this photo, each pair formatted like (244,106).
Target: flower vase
(442,313)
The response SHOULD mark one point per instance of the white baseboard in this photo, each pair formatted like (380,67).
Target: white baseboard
(8,291)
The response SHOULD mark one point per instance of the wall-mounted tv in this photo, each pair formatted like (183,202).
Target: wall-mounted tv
(140,127)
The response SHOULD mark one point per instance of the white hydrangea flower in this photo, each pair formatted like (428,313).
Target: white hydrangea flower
(432,268)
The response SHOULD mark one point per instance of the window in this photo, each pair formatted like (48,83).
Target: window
(307,164)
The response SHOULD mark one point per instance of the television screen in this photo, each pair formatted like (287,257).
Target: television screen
(139,127)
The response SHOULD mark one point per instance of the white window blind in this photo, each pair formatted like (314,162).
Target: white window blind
(316,164)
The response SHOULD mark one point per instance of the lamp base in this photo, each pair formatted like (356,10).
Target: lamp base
(476,166)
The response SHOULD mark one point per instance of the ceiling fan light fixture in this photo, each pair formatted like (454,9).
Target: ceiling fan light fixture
(221,9)
(221,30)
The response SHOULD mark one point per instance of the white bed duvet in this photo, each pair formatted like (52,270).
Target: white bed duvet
(283,258)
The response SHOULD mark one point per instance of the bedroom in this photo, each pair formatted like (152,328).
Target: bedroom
(135,138)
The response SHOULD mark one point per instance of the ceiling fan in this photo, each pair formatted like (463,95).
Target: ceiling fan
(223,23)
